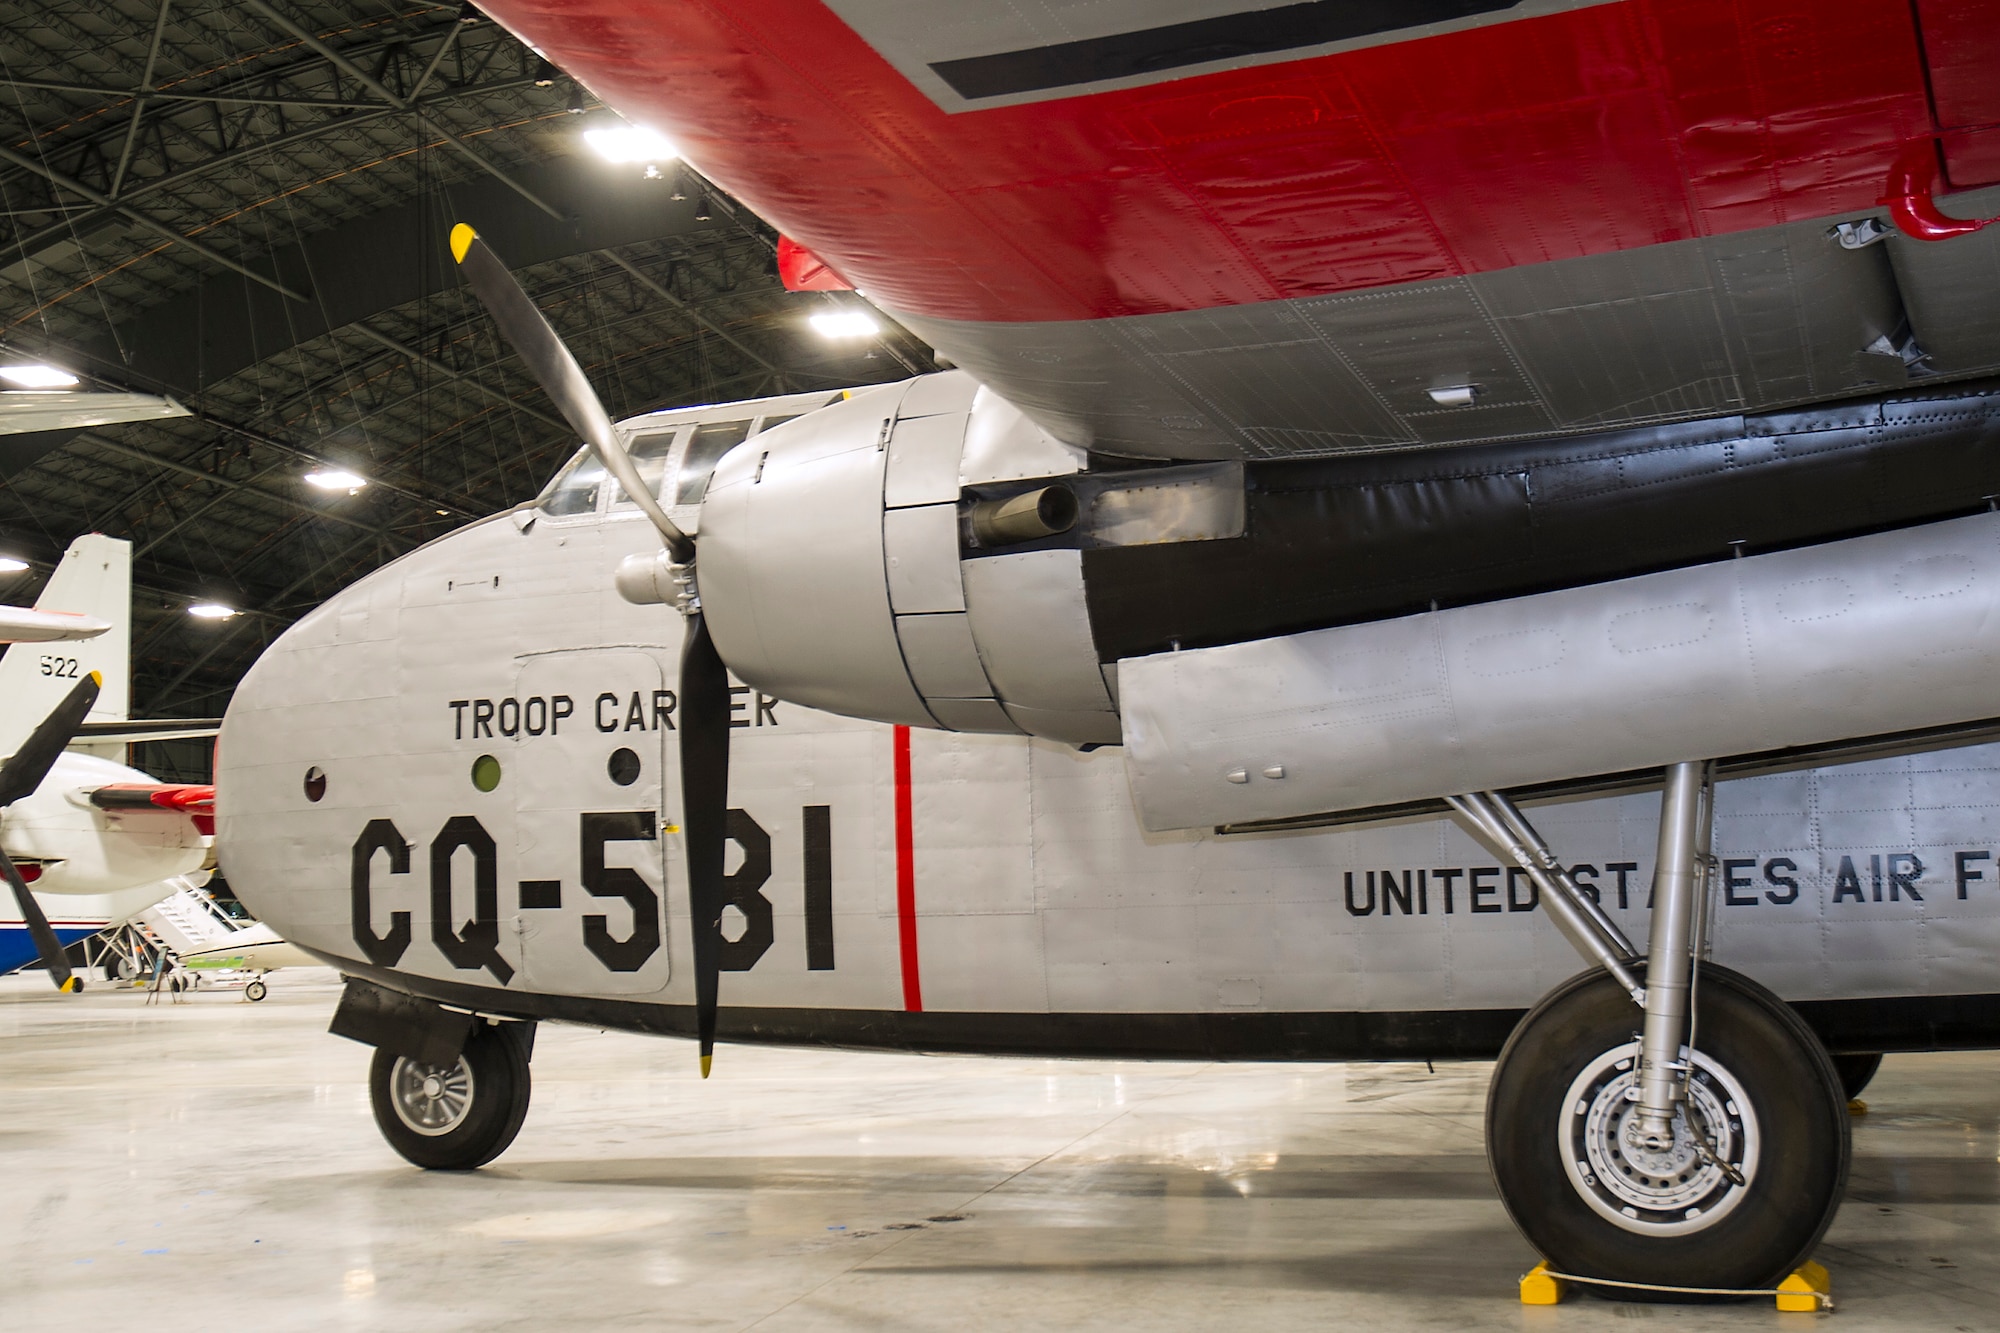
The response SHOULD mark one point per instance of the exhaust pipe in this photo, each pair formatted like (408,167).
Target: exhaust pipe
(1026,517)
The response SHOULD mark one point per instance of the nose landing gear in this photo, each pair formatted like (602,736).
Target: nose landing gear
(1660,1123)
(455,1116)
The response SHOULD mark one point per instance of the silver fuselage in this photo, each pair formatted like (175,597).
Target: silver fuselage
(993,892)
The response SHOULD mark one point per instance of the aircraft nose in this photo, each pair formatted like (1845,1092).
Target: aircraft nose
(305,735)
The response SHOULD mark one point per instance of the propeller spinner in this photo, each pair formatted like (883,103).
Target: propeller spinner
(704,680)
(19,777)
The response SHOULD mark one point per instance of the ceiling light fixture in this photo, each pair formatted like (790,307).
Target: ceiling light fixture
(1455,395)
(213,611)
(9,565)
(37,377)
(629,144)
(336,479)
(845,324)
(545,74)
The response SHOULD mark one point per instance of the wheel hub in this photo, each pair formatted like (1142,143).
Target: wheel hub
(431,1099)
(1648,1186)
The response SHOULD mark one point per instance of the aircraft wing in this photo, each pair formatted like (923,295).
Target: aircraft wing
(139,729)
(23,411)
(1225,229)
(20,624)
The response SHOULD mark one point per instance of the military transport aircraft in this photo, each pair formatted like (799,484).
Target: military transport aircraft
(1403,456)
(99,840)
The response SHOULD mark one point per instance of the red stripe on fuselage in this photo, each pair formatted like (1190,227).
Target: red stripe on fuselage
(906,878)
(1595,130)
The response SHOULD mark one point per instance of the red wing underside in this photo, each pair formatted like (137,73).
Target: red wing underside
(1597,213)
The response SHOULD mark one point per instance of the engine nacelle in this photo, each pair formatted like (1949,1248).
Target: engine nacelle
(892,557)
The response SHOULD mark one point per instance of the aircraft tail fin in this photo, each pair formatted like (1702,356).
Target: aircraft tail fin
(94,578)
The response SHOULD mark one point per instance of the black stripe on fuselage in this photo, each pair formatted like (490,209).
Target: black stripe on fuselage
(1901,1023)
(1199,42)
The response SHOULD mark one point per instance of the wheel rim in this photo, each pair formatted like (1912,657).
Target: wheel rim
(1664,1193)
(431,1099)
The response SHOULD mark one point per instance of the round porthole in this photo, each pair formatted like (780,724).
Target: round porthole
(486,772)
(624,767)
(315,783)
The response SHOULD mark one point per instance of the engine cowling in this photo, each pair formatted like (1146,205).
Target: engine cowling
(884,558)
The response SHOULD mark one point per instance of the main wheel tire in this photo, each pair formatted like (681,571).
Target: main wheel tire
(453,1117)
(1597,1205)
(1856,1071)
(256,991)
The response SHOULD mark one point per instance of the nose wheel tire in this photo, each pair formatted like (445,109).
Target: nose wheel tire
(456,1116)
(255,991)
(1745,1191)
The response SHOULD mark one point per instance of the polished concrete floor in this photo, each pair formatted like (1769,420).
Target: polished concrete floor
(213,1165)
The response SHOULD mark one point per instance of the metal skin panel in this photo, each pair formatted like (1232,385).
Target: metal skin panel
(1003,445)
(1872,635)
(1741,322)
(552,775)
(1074,726)
(1203,503)
(1033,633)
(920,547)
(923,459)
(1041,904)
(930,395)
(792,566)
(943,661)
(980,715)
(675,421)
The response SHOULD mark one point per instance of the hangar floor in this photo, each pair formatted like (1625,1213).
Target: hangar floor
(214,1163)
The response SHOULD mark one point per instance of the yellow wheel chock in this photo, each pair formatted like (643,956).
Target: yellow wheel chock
(1809,1288)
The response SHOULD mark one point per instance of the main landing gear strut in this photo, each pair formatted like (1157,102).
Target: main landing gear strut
(1656,1120)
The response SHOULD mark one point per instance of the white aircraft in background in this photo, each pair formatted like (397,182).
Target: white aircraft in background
(97,840)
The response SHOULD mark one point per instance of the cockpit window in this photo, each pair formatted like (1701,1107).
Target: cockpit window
(711,440)
(575,492)
(649,454)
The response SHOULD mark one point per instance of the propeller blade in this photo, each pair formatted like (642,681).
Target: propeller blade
(24,772)
(19,777)
(54,957)
(553,367)
(704,746)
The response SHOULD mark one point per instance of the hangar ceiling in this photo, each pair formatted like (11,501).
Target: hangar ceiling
(243,204)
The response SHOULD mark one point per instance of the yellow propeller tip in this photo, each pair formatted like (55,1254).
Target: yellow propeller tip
(706,1061)
(70,986)
(97,679)
(462,237)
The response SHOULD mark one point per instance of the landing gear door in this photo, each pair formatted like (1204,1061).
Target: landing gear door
(590,830)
